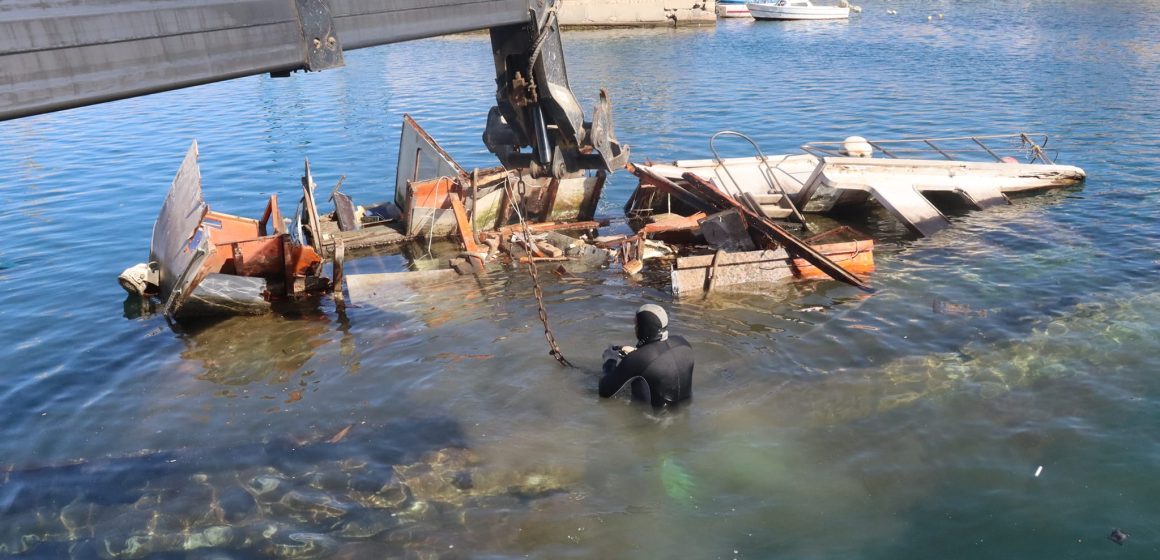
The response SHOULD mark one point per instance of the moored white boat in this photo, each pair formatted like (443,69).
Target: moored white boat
(732,9)
(796,10)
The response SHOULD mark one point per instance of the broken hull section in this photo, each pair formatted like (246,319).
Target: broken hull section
(428,179)
(754,271)
(211,263)
(820,182)
(722,223)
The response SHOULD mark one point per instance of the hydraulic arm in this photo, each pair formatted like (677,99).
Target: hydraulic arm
(535,106)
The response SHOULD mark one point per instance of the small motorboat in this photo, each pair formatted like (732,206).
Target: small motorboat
(797,10)
(732,9)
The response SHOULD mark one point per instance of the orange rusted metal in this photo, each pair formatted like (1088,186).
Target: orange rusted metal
(678,223)
(433,193)
(238,248)
(465,230)
(855,256)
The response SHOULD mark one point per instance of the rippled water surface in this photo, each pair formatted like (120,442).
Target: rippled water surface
(827,423)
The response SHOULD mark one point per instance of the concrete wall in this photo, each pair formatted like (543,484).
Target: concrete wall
(637,12)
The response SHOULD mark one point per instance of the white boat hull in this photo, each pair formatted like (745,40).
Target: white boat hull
(773,12)
(732,10)
(899,185)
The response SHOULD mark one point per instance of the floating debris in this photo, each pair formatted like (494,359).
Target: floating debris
(1117,536)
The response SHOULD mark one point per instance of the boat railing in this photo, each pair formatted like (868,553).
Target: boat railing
(1027,146)
(763,166)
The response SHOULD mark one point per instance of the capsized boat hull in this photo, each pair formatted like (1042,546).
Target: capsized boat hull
(902,186)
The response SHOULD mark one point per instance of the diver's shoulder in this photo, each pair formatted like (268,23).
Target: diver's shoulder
(677,340)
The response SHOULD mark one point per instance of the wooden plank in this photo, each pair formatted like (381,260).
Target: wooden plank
(504,214)
(664,185)
(344,212)
(588,208)
(465,230)
(336,282)
(308,186)
(678,223)
(549,226)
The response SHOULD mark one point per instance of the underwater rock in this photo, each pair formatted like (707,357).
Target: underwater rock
(78,520)
(237,504)
(267,487)
(309,506)
(419,510)
(392,495)
(329,481)
(301,546)
(366,524)
(141,546)
(427,482)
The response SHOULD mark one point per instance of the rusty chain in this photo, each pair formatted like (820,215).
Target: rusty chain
(553,348)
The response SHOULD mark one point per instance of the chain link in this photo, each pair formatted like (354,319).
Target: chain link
(554,349)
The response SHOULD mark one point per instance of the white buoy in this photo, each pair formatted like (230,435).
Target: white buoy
(929,18)
(140,279)
(857,146)
(940,16)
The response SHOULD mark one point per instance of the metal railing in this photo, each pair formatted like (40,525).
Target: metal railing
(766,173)
(1021,146)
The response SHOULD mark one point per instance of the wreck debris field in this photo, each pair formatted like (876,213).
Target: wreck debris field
(992,396)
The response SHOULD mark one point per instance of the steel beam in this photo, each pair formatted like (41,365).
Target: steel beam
(59,54)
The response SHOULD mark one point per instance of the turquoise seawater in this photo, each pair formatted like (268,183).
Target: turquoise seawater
(827,422)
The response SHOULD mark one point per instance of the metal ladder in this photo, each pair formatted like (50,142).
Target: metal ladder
(769,204)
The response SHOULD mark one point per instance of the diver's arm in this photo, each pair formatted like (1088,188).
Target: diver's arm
(617,374)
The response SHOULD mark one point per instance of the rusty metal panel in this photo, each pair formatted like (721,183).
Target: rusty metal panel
(59,54)
(180,243)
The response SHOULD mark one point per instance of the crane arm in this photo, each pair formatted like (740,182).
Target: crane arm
(60,54)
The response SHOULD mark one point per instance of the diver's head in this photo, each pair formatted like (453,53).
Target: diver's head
(652,324)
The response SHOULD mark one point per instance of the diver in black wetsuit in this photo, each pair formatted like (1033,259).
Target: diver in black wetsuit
(660,368)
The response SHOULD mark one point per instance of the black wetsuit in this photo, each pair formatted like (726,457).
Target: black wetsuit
(661,372)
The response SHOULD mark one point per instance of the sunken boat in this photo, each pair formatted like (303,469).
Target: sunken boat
(909,178)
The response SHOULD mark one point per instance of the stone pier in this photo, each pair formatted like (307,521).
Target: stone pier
(602,13)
